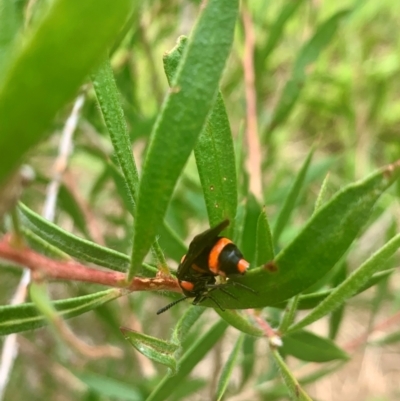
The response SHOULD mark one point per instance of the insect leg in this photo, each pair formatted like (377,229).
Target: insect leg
(237,284)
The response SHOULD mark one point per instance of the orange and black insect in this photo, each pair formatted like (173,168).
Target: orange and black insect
(209,255)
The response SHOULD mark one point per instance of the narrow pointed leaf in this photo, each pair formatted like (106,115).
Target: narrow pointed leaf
(79,248)
(307,55)
(291,199)
(336,317)
(241,322)
(72,245)
(248,360)
(181,119)
(276,31)
(321,194)
(228,369)
(40,297)
(189,360)
(350,286)
(47,68)
(295,390)
(185,323)
(168,239)
(68,203)
(111,108)
(247,244)
(11,18)
(153,348)
(264,244)
(391,338)
(289,314)
(106,386)
(317,248)
(310,301)
(42,246)
(214,153)
(309,347)
(171,243)
(17,318)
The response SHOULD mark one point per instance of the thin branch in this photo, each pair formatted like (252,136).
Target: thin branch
(363,338)
(46,268)
(61,162)
(253,141)
(272,335)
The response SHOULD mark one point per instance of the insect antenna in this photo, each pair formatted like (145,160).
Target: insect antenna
(165,308)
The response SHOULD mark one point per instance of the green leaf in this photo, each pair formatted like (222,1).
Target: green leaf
(70,244)
(189,360)
(290,201)
(109,387)
(264,244)
(289,314)
(11,18)
(309,301)
(275,32)
(122,189)
(181,120)
(110,105)
(191,388)
(42,246)
(47,68)
(240,322)
(171,243)
(336,316)
(69,204)
(153,348)
(228,369)
(350,286)
(214,152)
(111,108)
(307,55)
(185,323)
(295,390)
(248,360)
(247,244)
(391,338)
(317,248)
(17,318)
(40,297)
(309,347)
(321,194)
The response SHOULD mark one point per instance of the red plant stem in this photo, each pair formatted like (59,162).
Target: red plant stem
(47,268)
(390,321)
(253,141)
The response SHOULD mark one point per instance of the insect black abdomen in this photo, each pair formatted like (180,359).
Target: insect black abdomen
(231,261)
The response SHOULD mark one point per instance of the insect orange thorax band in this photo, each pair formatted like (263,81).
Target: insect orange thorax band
(213,259)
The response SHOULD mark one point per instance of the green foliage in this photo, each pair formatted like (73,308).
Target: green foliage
(149,174)
(46,69)
(181,120)
(17,318)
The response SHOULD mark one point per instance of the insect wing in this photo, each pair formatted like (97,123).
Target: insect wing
(198,244)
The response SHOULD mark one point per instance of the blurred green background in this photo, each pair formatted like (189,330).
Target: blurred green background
(326,75)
